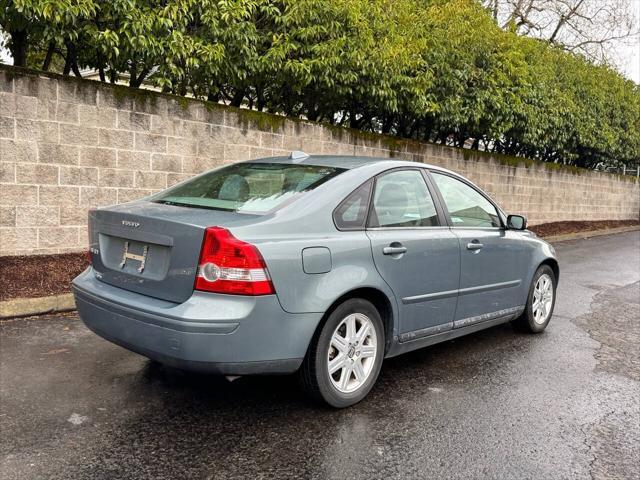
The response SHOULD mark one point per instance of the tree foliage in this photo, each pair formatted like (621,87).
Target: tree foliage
(440,70)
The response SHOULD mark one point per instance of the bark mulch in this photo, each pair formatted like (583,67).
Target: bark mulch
(43,275)
(39,275)
(561,228)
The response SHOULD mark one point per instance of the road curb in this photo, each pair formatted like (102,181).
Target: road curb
(24,307)
(589,234)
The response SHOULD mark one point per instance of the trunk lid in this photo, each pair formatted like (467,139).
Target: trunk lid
(153,249)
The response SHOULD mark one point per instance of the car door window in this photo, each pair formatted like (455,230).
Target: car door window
(402,199)
(352,212)
(467,207)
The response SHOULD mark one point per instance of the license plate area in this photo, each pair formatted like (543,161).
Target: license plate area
(127,255)
(134,257)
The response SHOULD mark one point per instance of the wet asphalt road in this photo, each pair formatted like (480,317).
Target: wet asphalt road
(496,404)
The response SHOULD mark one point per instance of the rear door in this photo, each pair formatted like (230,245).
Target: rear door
(414,251)
(493,259)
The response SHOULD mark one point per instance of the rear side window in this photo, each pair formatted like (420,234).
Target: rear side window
(248,187)
(467,207)
(402,199)
(352,212)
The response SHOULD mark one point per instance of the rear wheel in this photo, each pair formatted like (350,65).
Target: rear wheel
(345,356)
(540,303)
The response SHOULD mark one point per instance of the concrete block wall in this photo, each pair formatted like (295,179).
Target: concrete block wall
(67,145)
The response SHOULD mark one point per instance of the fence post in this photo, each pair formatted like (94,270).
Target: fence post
(624,169)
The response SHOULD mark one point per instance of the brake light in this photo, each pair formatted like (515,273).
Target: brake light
(229,265)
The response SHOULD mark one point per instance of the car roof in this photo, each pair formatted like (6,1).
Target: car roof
(340,161)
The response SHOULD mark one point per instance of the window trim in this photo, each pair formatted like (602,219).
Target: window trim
(499,211)
(442,221)
(366,215)
(435,195)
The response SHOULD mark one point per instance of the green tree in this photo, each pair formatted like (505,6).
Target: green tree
(437,70)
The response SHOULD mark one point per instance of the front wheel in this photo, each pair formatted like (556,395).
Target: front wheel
(345,357)
(540,303)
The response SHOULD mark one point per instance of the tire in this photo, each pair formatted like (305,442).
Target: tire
(358,365)
(532,319)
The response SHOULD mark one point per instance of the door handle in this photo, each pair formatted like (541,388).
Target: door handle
(394,250)
(474,245)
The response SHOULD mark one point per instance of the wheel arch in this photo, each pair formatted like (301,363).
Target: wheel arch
(378,298)
(553,263)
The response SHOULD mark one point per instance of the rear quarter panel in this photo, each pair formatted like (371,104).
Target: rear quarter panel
(300,292)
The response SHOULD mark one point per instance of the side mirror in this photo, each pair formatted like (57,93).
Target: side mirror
(516,222)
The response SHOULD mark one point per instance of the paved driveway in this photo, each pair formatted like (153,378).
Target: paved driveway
(496,404)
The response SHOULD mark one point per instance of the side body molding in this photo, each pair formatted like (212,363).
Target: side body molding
(462,291)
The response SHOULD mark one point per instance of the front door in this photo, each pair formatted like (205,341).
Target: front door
(492,259)
(415,253)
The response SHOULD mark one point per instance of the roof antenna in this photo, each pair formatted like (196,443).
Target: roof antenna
(298,156)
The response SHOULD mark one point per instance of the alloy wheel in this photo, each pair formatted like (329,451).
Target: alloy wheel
(542,299)
(352,352)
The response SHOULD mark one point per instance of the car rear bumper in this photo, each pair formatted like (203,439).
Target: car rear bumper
(226,334)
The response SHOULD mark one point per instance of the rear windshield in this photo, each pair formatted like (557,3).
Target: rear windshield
(248,187)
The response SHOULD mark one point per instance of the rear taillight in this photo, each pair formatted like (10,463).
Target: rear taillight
(229,265)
